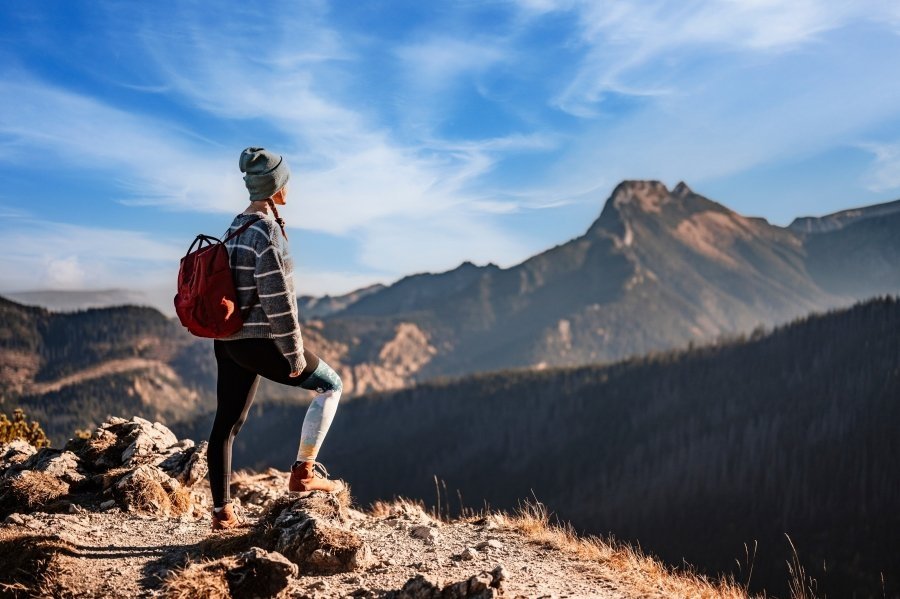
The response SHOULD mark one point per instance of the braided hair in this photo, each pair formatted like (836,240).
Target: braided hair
(278,219)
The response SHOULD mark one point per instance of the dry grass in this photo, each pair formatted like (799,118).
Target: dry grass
(635,573)
(32,564)
(230,541)
(110,477)
(145,496)
(413,508)
(181,501)
(200,579)
(345,499)
(621,562)
(800,584)
(320,504)
(30,491)
(148,496)
(101,444)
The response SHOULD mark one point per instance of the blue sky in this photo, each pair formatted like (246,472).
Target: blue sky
(422,134)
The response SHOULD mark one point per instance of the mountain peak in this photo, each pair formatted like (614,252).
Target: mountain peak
(681,190)
(646,196)
(630,198)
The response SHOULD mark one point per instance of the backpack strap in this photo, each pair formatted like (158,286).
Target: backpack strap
(242,310)
(242,228)
(209,239)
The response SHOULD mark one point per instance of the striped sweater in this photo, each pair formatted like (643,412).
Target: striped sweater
(263,278)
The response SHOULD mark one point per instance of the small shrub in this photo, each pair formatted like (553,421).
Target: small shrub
(20,428)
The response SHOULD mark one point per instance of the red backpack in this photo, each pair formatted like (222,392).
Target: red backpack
(206,301)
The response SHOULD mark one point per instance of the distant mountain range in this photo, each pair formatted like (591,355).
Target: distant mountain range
(692,453)
(311,306)
(70,300)
(658,269)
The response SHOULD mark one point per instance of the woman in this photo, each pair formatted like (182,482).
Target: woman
(269,343)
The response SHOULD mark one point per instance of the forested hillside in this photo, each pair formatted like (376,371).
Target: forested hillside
(72,370)
(691,453)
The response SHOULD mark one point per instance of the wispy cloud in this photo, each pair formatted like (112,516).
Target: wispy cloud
(435,64)
(884,174)
(44,254)
(148,160)
(635,48)
(352,176)
(716,88)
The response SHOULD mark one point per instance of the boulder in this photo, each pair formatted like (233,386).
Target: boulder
(420,587)
(187,465)
(64,465)
(258,490)
(145,467)
(475,587)
(260,573)
(146,441)
(490,544)
(125,443)
(426,533)
(310,532)
(253,573)
(15,452)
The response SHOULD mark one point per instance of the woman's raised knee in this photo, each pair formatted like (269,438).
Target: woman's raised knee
(325,379)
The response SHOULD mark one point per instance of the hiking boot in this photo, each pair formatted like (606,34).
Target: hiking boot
(227,518)
(305,477)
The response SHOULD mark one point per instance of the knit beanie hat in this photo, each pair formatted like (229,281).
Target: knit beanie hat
(266,172)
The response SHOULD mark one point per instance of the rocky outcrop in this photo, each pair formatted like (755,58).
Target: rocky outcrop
(312,533)
(258,490)
(137,464)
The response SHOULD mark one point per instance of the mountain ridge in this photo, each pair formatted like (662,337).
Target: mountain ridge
(841,218)
(697,268)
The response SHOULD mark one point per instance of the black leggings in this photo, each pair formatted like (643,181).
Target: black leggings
(240,363)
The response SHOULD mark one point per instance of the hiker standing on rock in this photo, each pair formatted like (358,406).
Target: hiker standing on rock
(269,343)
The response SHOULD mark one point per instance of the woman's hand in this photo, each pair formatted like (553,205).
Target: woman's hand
(294,374)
